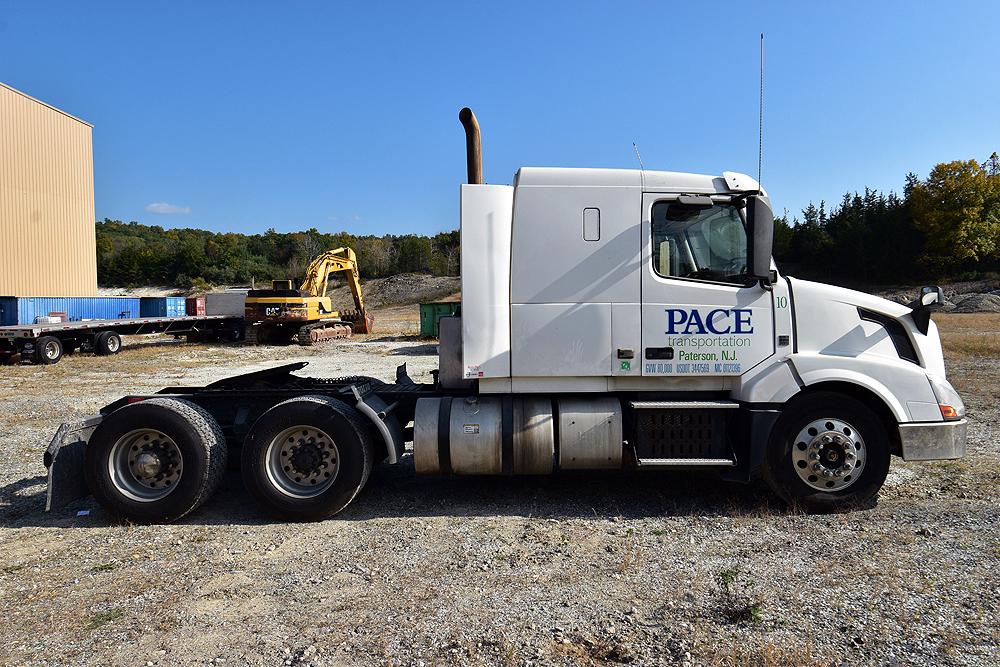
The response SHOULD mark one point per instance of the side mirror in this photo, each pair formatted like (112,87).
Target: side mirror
(931,298)
(760,237)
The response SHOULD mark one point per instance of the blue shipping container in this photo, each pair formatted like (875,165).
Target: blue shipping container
(27,309)
(162,306)
(102,307)
(8,311)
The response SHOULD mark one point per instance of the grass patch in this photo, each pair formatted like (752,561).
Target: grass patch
(105,617)
(735,603)
(969,335)
(103,567)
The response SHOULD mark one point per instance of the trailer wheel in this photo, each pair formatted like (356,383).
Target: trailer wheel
(828,452)
(107,342)
(48,350)
(233,333)
(307,458)
(156,460)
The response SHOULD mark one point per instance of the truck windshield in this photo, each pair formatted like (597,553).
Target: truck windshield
(698,242)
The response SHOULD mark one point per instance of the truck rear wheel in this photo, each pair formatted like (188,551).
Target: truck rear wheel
(828,452)
(156,460)
(48,350)
(107,342)
(307,458)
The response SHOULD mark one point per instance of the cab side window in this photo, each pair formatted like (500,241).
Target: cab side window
(699,242)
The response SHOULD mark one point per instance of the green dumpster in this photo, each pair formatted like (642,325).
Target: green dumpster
(431,314)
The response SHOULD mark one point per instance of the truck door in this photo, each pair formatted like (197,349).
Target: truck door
(699,316)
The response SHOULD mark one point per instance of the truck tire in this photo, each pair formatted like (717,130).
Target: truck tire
(233,333)
(48,350)
(107,343)
(307,458)
(155,461)
(828,452)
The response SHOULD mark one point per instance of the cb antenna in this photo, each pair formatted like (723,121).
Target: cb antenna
(638,157)
(760,118)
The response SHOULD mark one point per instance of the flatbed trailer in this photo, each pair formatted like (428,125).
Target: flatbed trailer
(46,343)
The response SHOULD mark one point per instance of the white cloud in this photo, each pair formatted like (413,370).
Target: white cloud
(164,208)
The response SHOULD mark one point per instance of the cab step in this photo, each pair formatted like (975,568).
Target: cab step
(684,405)
(666,463)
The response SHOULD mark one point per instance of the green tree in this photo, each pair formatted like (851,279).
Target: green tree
(414,254)
(958,210)
(783,233)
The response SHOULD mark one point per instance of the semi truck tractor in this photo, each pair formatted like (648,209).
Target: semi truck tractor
(610,319)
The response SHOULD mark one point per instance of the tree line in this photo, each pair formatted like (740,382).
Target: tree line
(946,226)
(943,227)
(131,254)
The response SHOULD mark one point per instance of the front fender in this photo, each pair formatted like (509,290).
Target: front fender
(902,386)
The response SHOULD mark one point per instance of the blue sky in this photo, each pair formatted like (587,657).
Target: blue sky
(243,116)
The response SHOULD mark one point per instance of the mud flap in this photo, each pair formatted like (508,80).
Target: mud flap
(64,460)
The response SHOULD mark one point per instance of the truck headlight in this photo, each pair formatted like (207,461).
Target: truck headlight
(949,401)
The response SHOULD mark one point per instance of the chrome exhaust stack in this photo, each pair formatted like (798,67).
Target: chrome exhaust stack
(473,145)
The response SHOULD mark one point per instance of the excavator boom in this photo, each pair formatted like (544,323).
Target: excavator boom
(339,260)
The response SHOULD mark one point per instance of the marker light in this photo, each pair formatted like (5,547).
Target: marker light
(949,402)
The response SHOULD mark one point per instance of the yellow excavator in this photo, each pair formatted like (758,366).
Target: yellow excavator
(283,314)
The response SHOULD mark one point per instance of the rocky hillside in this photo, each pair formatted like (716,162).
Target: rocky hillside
(979,296)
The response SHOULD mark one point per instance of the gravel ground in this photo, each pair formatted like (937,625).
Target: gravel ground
(577,569)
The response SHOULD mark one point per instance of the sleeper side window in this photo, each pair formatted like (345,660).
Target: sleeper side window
(699,242)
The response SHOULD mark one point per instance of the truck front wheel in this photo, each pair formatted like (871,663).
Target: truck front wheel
(156,460)
(307,458)
(828,452)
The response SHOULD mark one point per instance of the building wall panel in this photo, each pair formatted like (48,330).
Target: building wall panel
(47,242)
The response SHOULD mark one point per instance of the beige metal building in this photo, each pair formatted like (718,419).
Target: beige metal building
(47,245)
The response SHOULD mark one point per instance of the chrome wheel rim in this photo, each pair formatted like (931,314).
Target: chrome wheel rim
(829,454)
(145,465)
(113,343)
(51,350)
(302,461)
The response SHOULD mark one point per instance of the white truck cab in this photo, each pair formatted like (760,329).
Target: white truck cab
(628,318)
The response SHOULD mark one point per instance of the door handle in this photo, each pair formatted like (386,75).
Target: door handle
(626,353)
